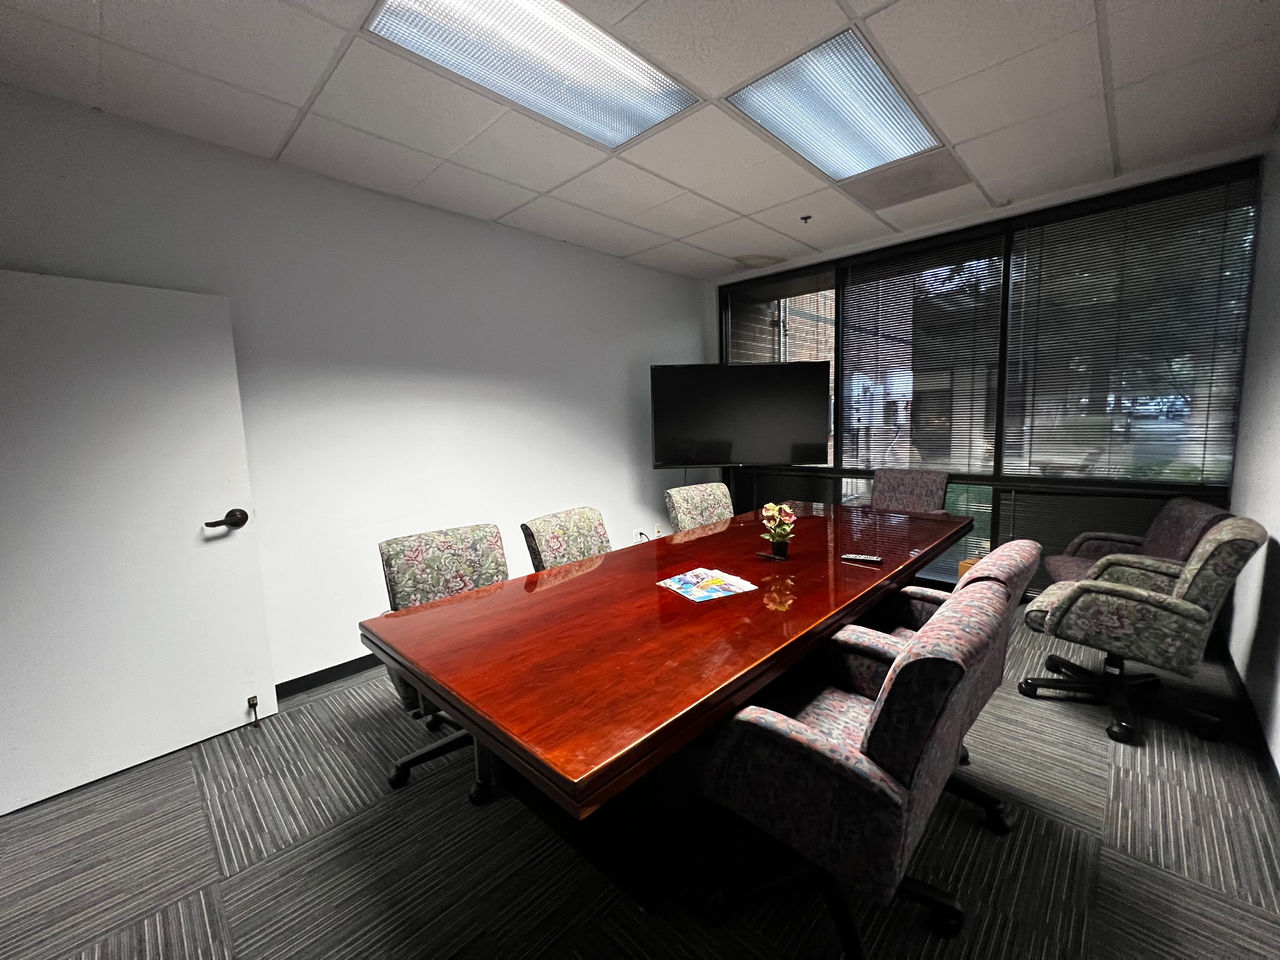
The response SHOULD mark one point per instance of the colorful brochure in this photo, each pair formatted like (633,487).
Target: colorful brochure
(703,584)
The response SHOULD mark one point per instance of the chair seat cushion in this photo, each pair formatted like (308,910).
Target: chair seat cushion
(1039,609)
(1063,567)
(838,715)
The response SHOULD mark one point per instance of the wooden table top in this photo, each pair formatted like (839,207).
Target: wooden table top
(586,676)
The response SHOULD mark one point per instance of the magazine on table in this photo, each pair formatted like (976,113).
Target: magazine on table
(703,584)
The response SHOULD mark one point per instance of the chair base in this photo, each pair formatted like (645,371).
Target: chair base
(400,772)
(996,811)
(946,916)
(1113,687)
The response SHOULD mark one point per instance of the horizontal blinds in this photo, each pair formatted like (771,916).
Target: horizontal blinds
(1126,340)
(919,349)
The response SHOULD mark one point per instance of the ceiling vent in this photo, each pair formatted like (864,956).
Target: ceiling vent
(908,179)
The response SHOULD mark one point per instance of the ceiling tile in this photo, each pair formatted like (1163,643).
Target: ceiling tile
(166,96)
(385,94)
(564,221)
(604,11)
(345,13)
(928,46)
(743,237)
(1222,101)
(721,45)
(345,153)
(764,184)
(47,58)
(834,220)
(465,191)
(936,208)
(79,15)
(267,46)
(683,215)
(617,189)
(684,259)
(1045,143)
(1159,35)
(701,148)
(527,152)
(1061,72)
(1061,173)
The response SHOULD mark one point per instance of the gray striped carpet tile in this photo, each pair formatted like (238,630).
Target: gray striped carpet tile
(86,862)
(1227,846)
(404,871)
(304,769)
(1142,912)
(1044,756)
(191,928)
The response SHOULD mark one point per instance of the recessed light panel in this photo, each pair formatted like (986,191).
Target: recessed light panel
(836,108)
(542,55)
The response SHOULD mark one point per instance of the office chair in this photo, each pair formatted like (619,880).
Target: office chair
(849,781)
(697,505)
(908,491)
(1173,534)
(426,567)
(559,538)
(1142,608)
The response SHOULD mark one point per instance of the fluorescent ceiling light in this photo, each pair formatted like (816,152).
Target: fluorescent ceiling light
(543,55)
(836,108)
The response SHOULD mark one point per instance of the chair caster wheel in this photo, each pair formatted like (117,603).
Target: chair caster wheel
(480,793)
(1209,730)
(399,777)
(433,721)
(1028,689)
(998,822)
(946,923)
(1122,732)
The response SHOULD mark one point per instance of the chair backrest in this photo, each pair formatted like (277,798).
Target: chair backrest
(1012,565)
(1211,570)
(932,695)
(440,563)
(908,491)
(566,536)
(1179,526)
(698,504)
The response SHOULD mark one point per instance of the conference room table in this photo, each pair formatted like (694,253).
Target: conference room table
(584,677)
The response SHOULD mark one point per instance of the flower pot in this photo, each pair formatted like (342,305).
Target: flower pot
(780,548)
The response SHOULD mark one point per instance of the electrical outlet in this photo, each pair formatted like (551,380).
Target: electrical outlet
(637,535)
(253,702)
(657,529)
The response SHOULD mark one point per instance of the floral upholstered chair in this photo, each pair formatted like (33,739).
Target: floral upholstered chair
(697,505)
(849,781)
(564,537)
(1136,607)
(1173,534)
(909,491)
(870,646)
(431,566)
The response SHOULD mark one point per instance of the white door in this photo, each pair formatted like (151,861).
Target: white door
(127,628)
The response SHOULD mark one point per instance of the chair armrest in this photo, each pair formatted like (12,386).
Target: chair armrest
(863,657)
(1095,544)
(1136,570)
(921,604)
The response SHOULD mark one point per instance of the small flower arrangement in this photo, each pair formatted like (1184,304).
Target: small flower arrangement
(779,520)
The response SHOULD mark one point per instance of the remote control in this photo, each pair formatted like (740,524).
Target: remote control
(861,558)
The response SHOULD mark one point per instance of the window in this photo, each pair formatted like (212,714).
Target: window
(1071,363)
(1126,340)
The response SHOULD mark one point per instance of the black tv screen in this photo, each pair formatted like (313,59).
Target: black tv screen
(749,414)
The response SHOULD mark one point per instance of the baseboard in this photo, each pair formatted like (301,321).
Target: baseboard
(310,681)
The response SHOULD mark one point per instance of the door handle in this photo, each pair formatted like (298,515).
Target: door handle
(235,519)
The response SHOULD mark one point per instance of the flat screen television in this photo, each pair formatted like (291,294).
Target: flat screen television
(748,414)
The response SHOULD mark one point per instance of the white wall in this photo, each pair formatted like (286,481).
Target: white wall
(1255,633)
(401,368)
